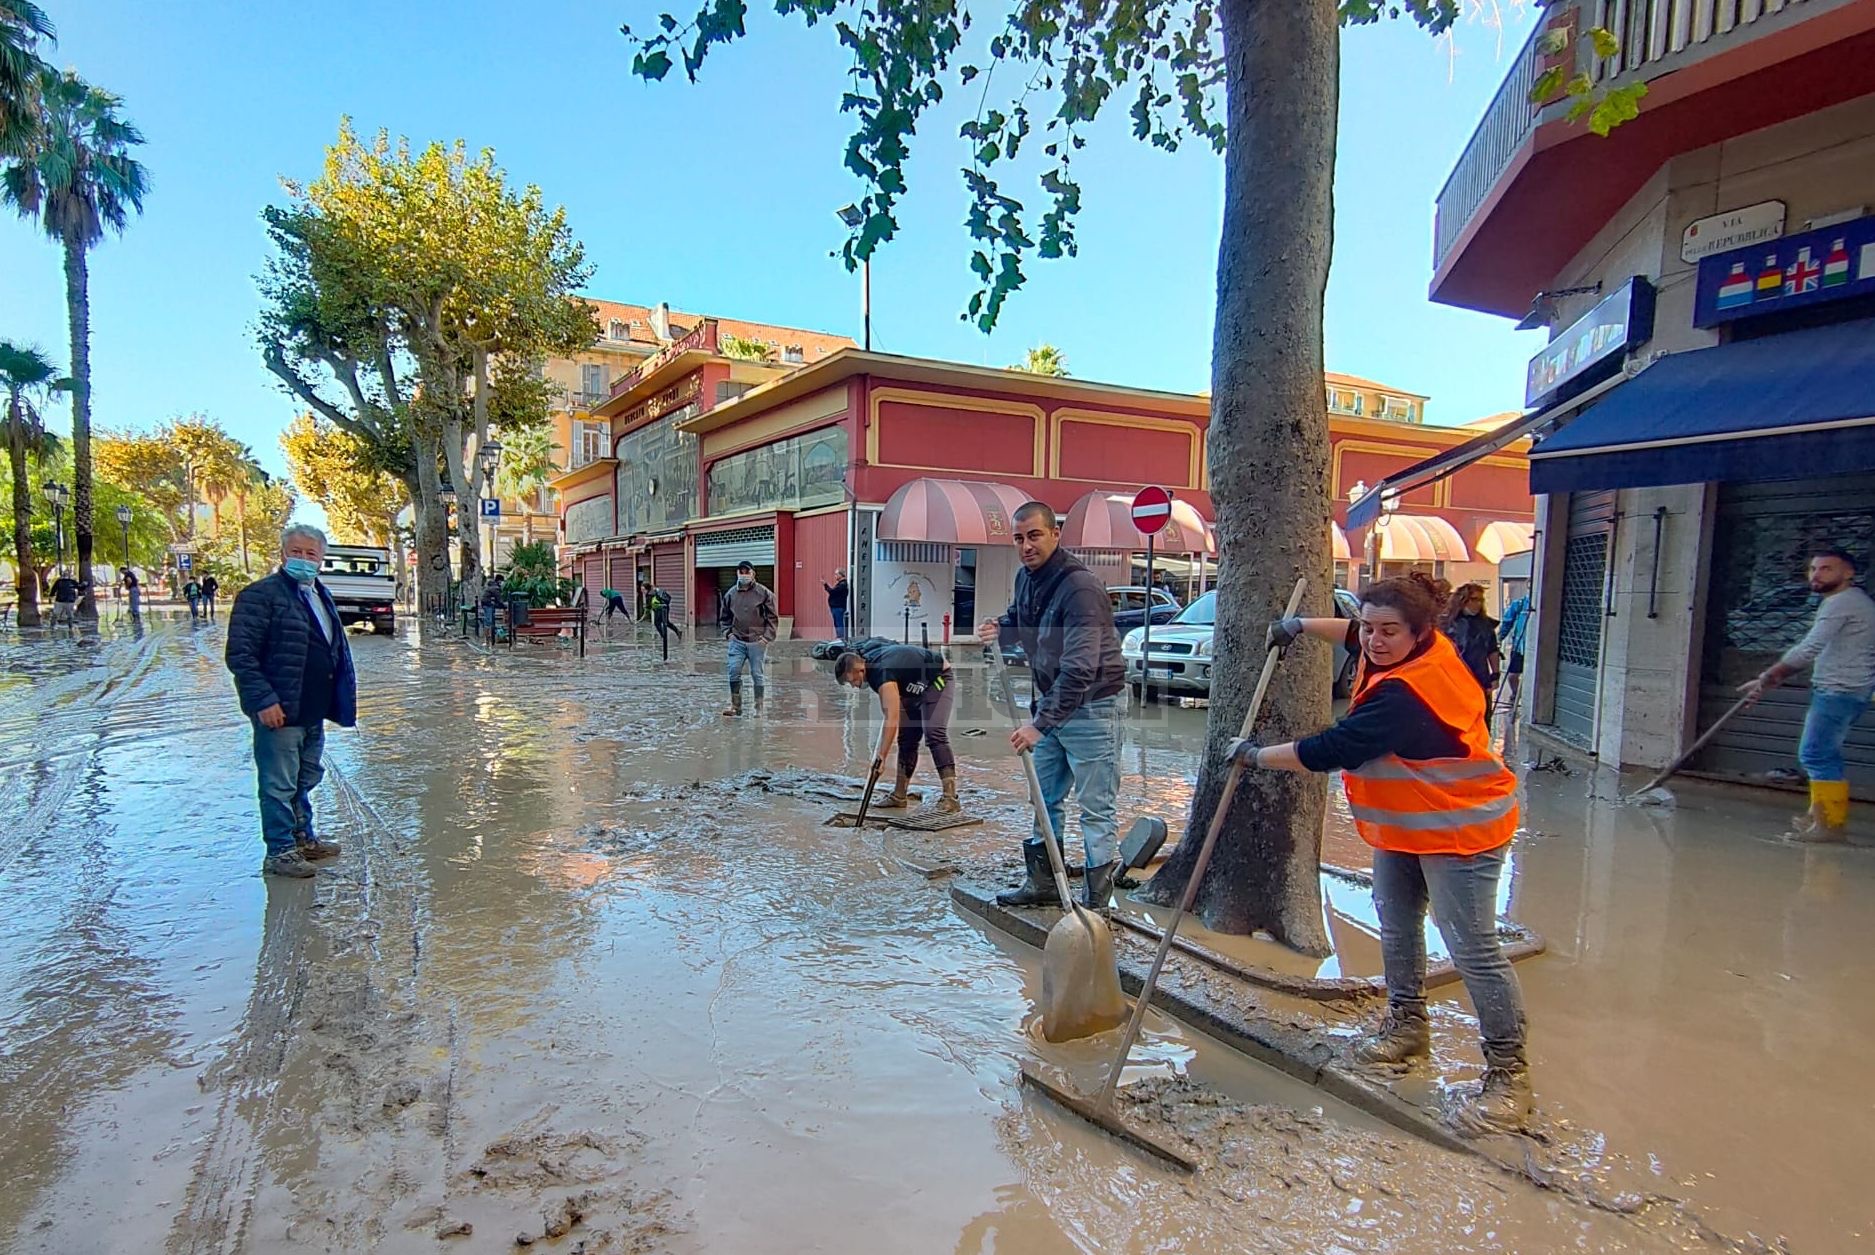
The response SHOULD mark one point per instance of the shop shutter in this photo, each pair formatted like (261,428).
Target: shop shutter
(620,576)
(592,575)
(1759,604)
(742,544)
(1584,606)
(669,573)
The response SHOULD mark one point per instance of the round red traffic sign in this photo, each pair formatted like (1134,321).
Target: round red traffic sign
(1152,509)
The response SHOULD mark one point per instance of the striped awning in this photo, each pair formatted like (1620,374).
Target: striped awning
(1339,539)
(1104,520)
(1420,538)
(952,512)
(1503,537)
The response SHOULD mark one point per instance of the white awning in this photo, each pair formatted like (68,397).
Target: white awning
(1420,538)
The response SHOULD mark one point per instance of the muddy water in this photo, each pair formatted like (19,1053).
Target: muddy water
(586,974)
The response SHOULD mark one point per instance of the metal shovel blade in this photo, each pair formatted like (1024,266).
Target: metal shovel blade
(1080,979)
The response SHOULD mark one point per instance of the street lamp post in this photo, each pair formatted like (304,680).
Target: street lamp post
(123,521)
(56,495)
(852,217)
(490,458)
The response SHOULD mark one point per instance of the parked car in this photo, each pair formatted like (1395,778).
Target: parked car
(1181,651)
(1129,606)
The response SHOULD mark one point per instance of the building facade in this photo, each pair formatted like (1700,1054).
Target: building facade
(1703,410)
(906,471)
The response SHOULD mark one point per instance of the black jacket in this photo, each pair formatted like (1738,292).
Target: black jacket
(271,634)
(1064,620)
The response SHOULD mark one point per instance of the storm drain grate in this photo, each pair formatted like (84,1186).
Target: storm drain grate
(930,819)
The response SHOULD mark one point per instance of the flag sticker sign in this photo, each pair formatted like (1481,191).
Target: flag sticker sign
(1827,264)
(1152,509)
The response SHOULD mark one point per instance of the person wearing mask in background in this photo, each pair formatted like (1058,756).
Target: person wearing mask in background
(1439,807)
(749,620)
(1474,635)
(210,586)
(133,592)
(837,595)
(292,669)
(1063,618)
(1512,633)
(1839,649)
(915,687)
(193,591)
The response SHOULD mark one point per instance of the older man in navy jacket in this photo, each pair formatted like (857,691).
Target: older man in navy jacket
(293,671)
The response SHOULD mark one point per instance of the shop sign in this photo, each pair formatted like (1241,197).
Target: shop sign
(1796,271)
(1736,228)
(1598,339)
(674,397)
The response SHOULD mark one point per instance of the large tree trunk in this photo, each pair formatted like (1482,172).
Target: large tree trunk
(28,590)
(431,518)
(1268,448)
(78,307)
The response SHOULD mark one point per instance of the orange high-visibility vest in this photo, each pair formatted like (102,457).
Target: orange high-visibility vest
(1435,805)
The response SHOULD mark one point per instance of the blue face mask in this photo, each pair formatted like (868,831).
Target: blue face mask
(305,570)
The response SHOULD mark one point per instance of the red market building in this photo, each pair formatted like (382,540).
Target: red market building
(906,471)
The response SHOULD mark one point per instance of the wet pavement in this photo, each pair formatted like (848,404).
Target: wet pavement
(592,973)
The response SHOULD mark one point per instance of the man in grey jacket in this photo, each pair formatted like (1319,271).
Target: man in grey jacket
(1839,649)
(1064,620)
(749,620)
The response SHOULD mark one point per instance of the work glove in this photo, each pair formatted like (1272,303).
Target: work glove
(1242,750)
(1283,632)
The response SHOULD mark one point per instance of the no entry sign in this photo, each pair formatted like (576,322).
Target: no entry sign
(1152,509)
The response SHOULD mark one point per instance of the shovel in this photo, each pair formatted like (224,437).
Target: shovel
(1100,1110)
(1080,975)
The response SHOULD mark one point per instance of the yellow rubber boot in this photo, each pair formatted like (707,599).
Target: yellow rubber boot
(1833,796)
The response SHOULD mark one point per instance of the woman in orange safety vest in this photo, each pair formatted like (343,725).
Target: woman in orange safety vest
(1439,808)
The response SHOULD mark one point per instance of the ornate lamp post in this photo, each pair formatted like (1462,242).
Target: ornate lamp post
(489,456)
(123,521)
(56,495)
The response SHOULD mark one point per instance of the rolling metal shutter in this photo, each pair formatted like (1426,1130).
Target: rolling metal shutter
(1759,604)
(1584,606)
(669,573)
(742,544)
(592,575)
(620,577)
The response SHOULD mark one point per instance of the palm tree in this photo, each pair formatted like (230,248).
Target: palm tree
(22,26)
(527,463)
(1044,359)
(25,374)
(78,179)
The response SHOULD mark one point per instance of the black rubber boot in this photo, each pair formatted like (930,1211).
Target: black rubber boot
(1038,886)
(759,693)
(735,701)
(1097,888)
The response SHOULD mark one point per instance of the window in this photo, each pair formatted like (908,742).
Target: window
(618,329)
(794,353)
(591,384)
(1398,409)
(729,390)
(590,443)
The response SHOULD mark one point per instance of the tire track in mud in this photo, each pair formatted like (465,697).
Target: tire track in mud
(324,1052)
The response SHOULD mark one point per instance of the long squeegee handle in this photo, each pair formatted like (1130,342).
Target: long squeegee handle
(1042,820)
(1698,745)
(1140,1003)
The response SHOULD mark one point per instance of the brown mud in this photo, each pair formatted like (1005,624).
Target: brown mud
(591,974)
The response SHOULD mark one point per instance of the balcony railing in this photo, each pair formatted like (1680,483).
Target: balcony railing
(1657,37)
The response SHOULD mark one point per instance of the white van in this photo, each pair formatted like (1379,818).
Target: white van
(363,584)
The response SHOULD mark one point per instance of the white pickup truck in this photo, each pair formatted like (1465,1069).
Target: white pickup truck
(363,585)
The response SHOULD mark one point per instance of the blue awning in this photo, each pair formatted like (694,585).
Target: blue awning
(1779,407)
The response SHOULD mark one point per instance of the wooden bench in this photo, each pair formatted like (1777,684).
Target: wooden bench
(551,621)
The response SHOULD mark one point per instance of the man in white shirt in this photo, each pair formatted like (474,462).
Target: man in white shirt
(1839,649)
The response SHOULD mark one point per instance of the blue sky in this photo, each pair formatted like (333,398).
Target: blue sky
(719,197)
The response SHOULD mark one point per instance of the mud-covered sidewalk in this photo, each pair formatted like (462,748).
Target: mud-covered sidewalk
(591,974)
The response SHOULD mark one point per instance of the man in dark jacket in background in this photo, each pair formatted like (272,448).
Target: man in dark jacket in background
(293,671)
(211,587)
(1064,620)
(838,593)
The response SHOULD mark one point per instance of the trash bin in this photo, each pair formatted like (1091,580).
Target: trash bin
(517,612)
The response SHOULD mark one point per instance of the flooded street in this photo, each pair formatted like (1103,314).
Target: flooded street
(593,975)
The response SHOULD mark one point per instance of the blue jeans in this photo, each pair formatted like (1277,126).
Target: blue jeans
(1832,713)
(1463,894)
(1084,752)
(287,760)
(753,654)
(839,623)
(195,607)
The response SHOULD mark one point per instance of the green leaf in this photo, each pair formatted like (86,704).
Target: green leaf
(651,66)
(668,22)
(1547,84)
(1603,41)
(967,73)
(1554,42)
(1580,85)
